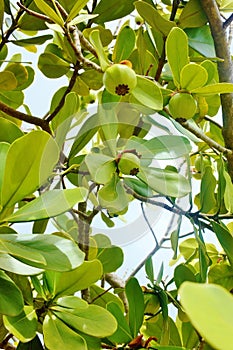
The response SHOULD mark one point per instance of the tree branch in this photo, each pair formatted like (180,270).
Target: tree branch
(200,134)
(68,90)
(76,45)
(117,282)
(225,71)
(25,117)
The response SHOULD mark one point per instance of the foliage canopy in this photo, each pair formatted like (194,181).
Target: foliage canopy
(137,121)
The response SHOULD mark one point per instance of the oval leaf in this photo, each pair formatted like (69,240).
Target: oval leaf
(11,297)
(212,314)
(23,175)
(49,204)
(148,93)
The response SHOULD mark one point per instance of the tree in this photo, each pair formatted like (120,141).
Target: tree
(163,65)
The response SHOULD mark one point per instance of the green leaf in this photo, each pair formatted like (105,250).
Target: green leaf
(96,42)
(46,9)
(177,52)
(9,263)
(105,256)
(108,10)
(100,297)
(36,40)
(52,66)
(49,204)
(154,326)
(82,18)
(166,182)
(153,17)
(211,318)
(89,319)
(109,126)
(11,297)
(23,283)
(8,81)
(136,305)
(85,134)
(189,335)
(148,93)
(193,76)
(101,167)
(165,147)
(207,193)
(192,15)
(23,175)
(60,336)
(70,282)
(201,40)
(4,147)
(124,45)
(78,5)
(149,270)
(43,251)
(221,274)
(9,131)
(225,239)
(23,326)
(138,187)
(123,333)
(182,273)
(112,195)
(13,99)
(218,88)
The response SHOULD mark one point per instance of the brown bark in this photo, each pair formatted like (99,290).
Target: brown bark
(225,71)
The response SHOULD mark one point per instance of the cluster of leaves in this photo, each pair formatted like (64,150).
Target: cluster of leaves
(76,164)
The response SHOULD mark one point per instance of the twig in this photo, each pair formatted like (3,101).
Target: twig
(68,90)
(34,13)
(228,21)
(210,120)
(76,45)
(116,282)
(175,6)
(148,223)
(25,117)
(11,29)
(200,134)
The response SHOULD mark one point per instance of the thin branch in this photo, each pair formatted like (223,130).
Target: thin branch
(228,21)
(34,13)
(210,120)
(116,282)
(25,117)
(11,29)
(200,134)
(76,45)
(68,90)
(148,223)
(175,6)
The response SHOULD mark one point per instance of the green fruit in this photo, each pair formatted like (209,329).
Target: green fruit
(129,164)
(119,79)
(139,20)
(182,105)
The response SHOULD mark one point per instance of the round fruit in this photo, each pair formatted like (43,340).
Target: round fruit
(139,20)
(182,105)
(119,79)
(129,164)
